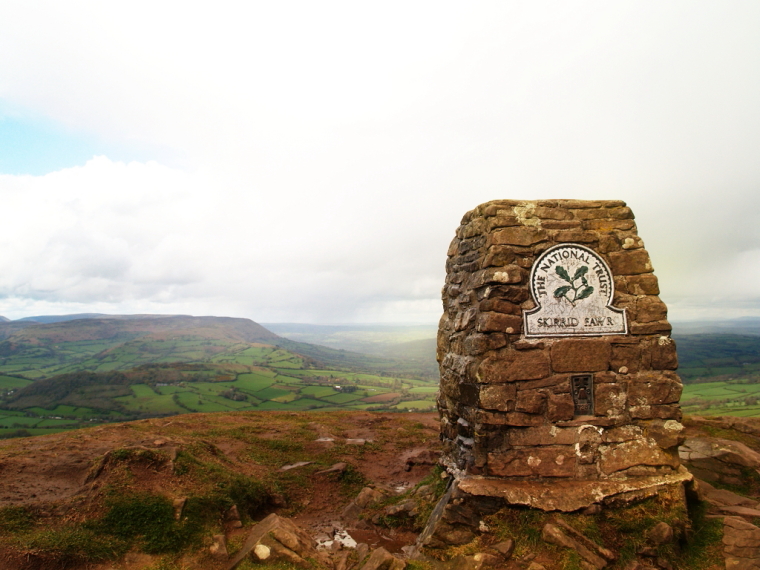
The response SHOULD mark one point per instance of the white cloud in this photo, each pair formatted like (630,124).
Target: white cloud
(314,159)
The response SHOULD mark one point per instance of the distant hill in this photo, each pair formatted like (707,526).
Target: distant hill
(367,339)
(742,325)
(104,368)
(60,318)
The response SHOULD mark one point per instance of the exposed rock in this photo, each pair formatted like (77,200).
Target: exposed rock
(723,497)
(405,507)
(262,552)
(179,507)
(741,511)
(367,496)
(741,544)
(218,548)
(473,562)
(419,456)
(295,465)
(553,534)
(381,559)
(716,459)
(335,468)
(661,533)
(232,514)
(279,539)
(569,496)
(505,548)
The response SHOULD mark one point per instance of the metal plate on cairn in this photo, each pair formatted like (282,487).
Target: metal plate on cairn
(582,387)
(573,288)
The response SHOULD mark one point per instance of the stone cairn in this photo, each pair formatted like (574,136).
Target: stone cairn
(558,384)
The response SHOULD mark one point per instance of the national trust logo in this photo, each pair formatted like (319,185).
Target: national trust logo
(573,289)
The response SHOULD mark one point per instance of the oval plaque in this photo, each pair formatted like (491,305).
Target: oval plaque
(573,288)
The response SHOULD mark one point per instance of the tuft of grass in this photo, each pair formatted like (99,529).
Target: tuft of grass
(73,544)
(704,548)
(351,480)
(135,454)
(247,493)
(148,519)
(14,520)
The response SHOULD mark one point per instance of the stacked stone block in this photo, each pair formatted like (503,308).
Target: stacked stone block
(505,400)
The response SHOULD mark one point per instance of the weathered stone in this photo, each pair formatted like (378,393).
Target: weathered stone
(381,559)
(499,322)
(501,221)
(723,497)
(625,356)
(368,496)
(516,419)
(580,355)
(621,433)
(548,461)
(560,224)
(476,344)
(498,397)
(522,235)
(456,537)
(741,544)
(560,407)
(497,275)
(644,284)
(505,548)
(608,225)
(575,236)
(265,534)
(553,534)
(530,401)
(650,389)
(218,548)
(610,400)
(500,306)
(616,457)
(569,495)
(655,327)
(661,533)
(663,354)
(543,435)
(650,309)
(514,365)
(633,262)
(667,434)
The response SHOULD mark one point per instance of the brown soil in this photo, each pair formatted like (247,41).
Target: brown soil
(62,476)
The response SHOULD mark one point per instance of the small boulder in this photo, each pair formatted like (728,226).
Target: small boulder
(218,548)
(179,507)
(381,559)
(505,548)
(368,496)
(403,508)
(277,538)
(661,533)
(553,534)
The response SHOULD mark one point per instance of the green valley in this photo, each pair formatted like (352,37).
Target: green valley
(63,375)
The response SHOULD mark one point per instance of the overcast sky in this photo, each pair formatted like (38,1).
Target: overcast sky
(310,161)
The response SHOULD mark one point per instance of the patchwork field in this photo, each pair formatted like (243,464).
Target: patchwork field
(53,379)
